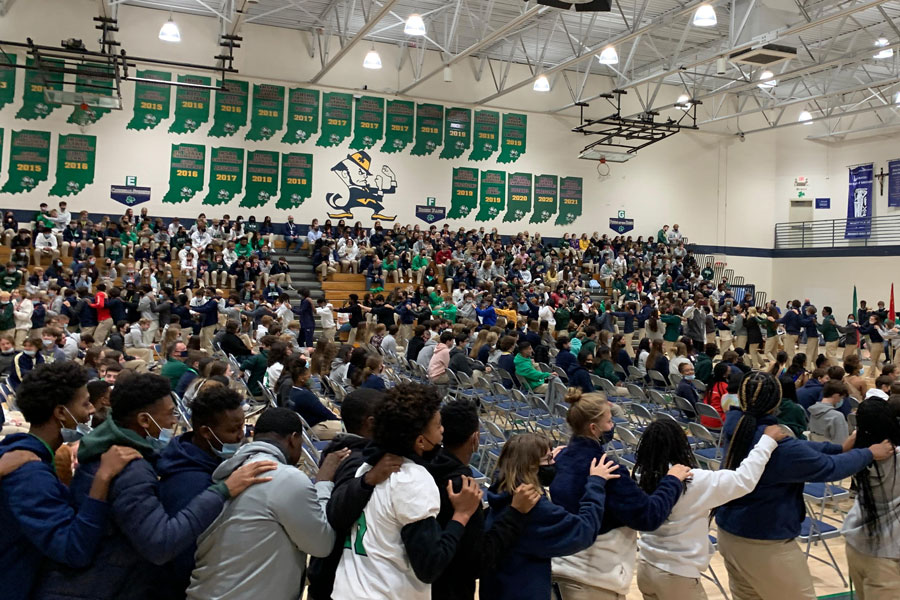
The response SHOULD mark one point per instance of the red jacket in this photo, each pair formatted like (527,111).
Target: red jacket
(100,306)
(714,399)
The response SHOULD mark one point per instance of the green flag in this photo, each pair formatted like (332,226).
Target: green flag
(486,134)
(29,161)
(493,195)
(457,132)
(463,192)
(262,178)
(74,164)
(92,78)
(226,175)
(191,105)
(186,172)
(34,105)
(570,192)
(7,79)
(368,122)
(855,303)
(512,143)
(268,111)
(230,112)
(336,122)
(546,192)
(151,100)
(429,128)
(398,131)
(303,116)
(518,194)
(296,180)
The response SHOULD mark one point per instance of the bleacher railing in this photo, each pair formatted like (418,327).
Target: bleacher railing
(882,231)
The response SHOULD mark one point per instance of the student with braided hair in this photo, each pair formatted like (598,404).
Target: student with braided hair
(757,531)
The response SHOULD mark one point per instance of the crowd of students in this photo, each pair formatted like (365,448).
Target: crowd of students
(100,498)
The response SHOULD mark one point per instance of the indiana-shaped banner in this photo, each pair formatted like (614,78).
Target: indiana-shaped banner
(34,105)
(429,128)
(191,104)
(368,122)
(92,78)
(463,192)
(518,197)
(457,132)
(186,172)
(400,126)
(296,180)
(262,178)
(302,116)
(226,175)
(485,134)
(29,161)
(268,111)
(231,107)
(571,190)
(512,143)
(7,79)
(493,195)
(336,122)
(74,164)
(546,193)
(151,100)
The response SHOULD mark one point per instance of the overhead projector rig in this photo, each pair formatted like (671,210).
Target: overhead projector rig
(106,69)
(622,137)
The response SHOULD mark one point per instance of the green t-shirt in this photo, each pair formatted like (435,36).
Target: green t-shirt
(173,370)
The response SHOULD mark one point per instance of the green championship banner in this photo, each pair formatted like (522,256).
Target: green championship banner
(429,128)
(336,123)
(226,175)
(29,161)
(570,192)
(7,79)
(191,105)
(262,178)
(546,191)
(230,112)
(151,100)
(463,192)
(493,195)
(368,122)
(512,143)
(91,78)
(485,134)
(518,197)
(268,111)
(75,159)
(303,115)
(186,172)
(34,105)
(296,180)
(457,132)
(399,128)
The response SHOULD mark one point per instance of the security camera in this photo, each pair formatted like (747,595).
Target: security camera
(741,136)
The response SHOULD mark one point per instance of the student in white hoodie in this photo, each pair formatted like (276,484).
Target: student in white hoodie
(673,557)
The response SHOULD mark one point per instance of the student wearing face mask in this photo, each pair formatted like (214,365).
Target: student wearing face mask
(38,519)
(142,535)
(826,422)
(26,360)
(7,318)
(98,393)
(186,465)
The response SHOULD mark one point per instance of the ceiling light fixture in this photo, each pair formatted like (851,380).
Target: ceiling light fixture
(705,16)
(542,84)
(609,56)
(767,80)
(683,102)
(805,118)
(414,25)
(372,60)
(169,32)
(884,52)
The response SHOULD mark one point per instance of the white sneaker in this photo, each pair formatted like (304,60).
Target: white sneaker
(401,280)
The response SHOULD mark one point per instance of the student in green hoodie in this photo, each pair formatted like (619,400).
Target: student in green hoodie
(830,331)
(533,378)
(790,413)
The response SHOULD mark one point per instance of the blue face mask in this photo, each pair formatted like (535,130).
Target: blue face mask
(70,436)
(165,436)
(227,450)
(839,404)
(690,377)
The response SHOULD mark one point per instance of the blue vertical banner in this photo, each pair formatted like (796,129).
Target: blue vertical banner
(859,203)
(894,182)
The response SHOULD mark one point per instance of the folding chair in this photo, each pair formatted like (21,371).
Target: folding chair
(630,442)
(686,408)
(641,417)
(712,573)
(711,455)
(617,368)
(561,373)
(705,410)
(184,412)
(675,379)
(813,531)
(634,374)
(657,379)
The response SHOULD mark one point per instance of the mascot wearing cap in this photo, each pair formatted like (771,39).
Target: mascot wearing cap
(354,172)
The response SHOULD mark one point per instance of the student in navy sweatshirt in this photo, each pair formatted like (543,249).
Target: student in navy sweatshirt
(792,322)
(605,567)
(565,360)
(550,530)
(580,373)
(757,531)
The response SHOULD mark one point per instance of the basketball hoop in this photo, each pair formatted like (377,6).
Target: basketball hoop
(83,118)
(600,164)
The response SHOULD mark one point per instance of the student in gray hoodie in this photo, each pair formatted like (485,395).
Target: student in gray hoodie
(257,547)
(826,422)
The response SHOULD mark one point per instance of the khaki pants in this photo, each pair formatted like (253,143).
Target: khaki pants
(88,330)
(143,354)
(102,331)
(328,333)
(570,589)
(812,352)
(405,333)
(656,584)
(626,339)
(352,337)
(757,360)
(771,348)
(206,337)
(740,341)
(790,346)
(325,270)
(876,349)
(725,339)
(766,569)
(874,578)
(136,365)
(850,349)
(326,430)
(831,350)
(541,389)
(20,336)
